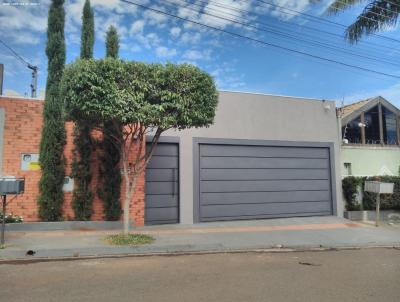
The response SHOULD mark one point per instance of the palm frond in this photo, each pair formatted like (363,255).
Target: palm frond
(376,16)
(339,5)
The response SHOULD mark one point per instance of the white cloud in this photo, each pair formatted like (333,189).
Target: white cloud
(194,55)
(175,31)
(293,5)
(190,38)
(137,27)
(164,52)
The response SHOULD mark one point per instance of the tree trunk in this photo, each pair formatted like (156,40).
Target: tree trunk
(129,191)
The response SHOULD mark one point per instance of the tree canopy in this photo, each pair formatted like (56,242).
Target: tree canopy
(154,95)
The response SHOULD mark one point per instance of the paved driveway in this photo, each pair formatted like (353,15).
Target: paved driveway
(357,275)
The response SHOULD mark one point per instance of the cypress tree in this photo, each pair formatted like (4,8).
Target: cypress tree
(82,199)
(52,142)
(110,188)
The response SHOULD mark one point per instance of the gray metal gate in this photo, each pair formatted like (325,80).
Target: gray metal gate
(255,181)
(162,185)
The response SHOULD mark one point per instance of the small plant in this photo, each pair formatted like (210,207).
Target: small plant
(10,218)
(129,239)
(350,185)
(2,246)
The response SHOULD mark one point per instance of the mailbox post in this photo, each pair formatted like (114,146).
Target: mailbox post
(9,185)
(378,188)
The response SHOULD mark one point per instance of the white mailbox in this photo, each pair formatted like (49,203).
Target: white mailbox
(379,187)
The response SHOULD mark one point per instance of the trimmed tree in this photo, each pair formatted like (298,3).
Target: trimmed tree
(52,142)
(143,98)
(82,198)
(110,173)
(112,43)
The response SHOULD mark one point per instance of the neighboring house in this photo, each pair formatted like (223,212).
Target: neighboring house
(370,138)
(265,156)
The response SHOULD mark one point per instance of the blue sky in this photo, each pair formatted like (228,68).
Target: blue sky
(236,64)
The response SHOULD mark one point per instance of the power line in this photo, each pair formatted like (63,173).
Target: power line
(30,66)
(259,41)
(217,4)
(14,53)
(283,34)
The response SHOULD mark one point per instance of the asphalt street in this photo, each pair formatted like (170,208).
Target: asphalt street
(351,275)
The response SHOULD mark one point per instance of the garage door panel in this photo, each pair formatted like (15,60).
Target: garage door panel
(263,185)
(161,201)
(160,188)
(166,149)
(163,162)
(247,182)
(162,185)
(262,151)
(263,174)
(263,209)
(251,162)
(162,174)
(264,197)
(161,215)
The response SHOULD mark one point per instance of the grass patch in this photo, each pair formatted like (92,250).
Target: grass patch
(130,239)
(2,246)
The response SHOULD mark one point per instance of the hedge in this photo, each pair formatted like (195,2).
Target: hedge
(350,185)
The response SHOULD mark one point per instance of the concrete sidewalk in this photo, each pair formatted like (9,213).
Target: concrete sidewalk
(291,233)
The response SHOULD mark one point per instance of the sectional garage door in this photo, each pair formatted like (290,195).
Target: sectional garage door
(162,187)
(249,182)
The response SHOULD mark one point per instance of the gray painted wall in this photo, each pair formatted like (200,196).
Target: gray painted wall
(260,117)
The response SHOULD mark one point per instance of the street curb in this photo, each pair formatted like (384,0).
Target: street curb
(21,261)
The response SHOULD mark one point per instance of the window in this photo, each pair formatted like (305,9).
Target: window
(347,168)
(352,131)
(371,121)
(389,127)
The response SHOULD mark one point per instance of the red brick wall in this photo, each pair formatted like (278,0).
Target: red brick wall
(22,128)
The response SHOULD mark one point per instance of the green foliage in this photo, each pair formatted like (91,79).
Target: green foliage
(87,35)
(154,95)
(350,185)
(52,142)
(129,239)
(110,174)
(388,201)
(376,16)
(82,198)
(11,218)
(112,43)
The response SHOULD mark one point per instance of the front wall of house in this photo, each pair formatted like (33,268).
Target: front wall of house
(20,132)
(370,160)
(260,117)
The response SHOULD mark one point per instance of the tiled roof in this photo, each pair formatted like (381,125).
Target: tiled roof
(348,109)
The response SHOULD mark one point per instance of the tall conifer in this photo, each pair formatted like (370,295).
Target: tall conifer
(52,142)
(82,199)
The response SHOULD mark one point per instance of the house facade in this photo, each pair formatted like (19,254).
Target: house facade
(265,156)
(370,138)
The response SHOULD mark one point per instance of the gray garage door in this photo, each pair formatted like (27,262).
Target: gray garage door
(249,182)
(162,189)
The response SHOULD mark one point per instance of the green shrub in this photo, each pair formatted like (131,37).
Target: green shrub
(388,201)
(350,185)
(10,218)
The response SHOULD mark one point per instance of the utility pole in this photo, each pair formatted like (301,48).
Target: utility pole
(34,80)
